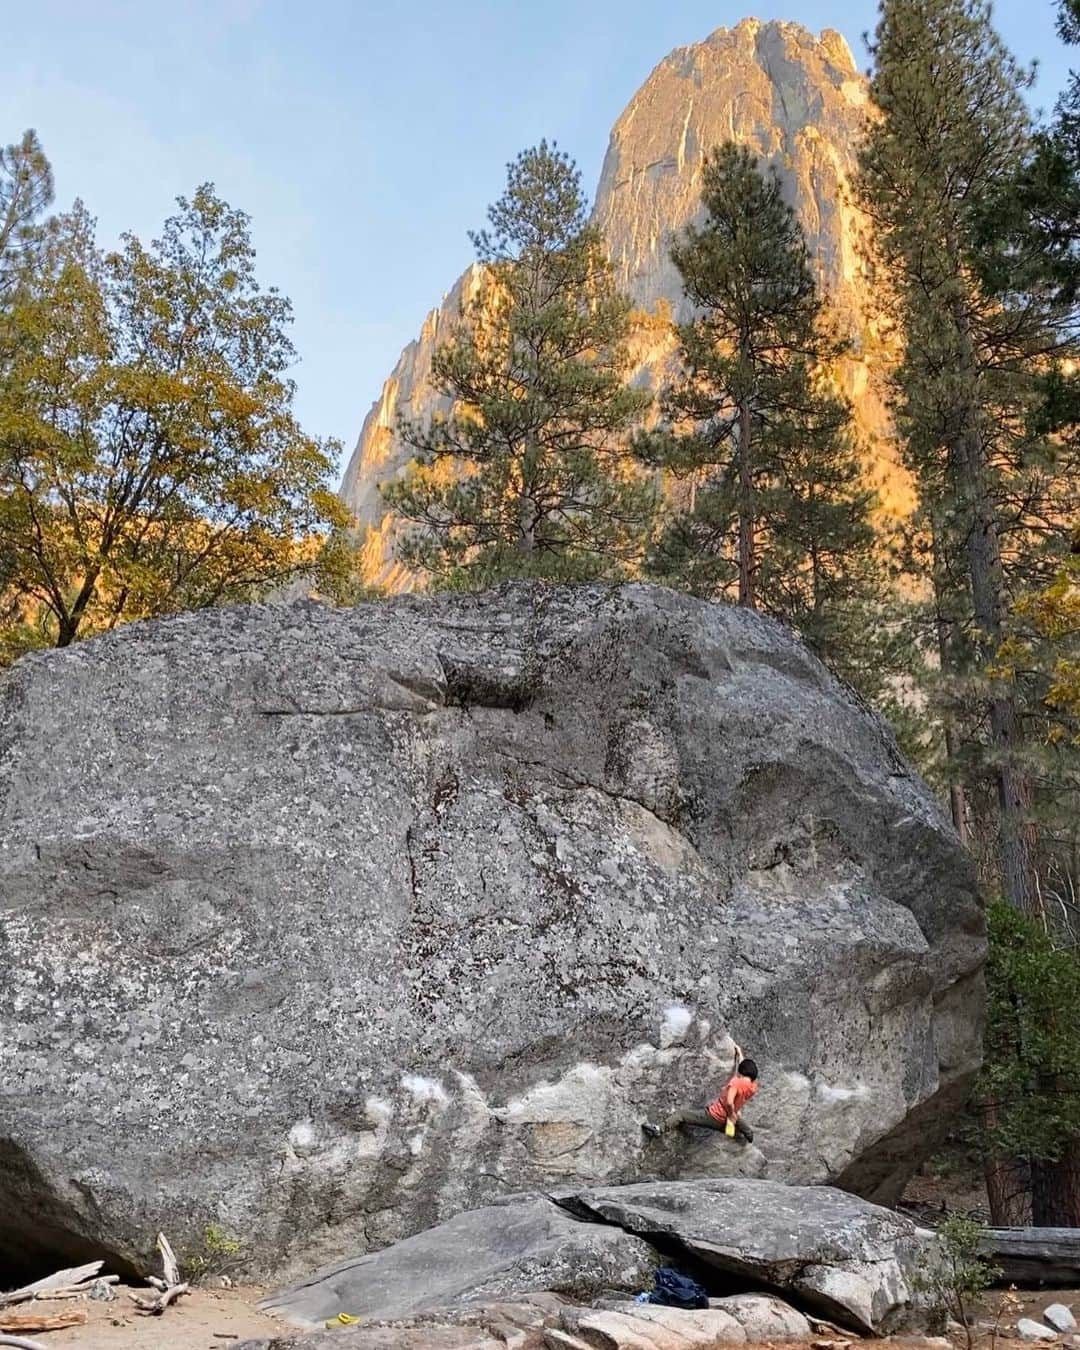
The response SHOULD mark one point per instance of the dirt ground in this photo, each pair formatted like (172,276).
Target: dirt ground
(214,1319)
(190,1324)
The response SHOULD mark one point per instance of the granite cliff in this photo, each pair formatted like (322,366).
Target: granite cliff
(800,103)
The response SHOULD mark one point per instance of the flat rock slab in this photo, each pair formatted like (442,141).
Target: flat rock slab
(522,1324)
(499,1252)
(735,1320)
(390,1338)
(550,1325)
(850,1260)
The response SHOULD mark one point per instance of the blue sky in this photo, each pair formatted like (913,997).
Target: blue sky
(363,138)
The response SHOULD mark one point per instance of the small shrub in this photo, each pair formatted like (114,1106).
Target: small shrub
(957,1274)
(219,1254)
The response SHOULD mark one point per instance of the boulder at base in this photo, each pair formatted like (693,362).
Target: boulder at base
(827,1251)
(546,1322)
(485,1255)
(322,925)
(823,1250)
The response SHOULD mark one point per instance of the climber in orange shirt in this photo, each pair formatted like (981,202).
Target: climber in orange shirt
(724,1112)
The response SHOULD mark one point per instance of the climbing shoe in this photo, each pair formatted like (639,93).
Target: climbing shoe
(652,1131)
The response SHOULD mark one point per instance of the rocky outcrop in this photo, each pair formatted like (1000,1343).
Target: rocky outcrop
(485,1255)
(548,1322)
(822,1249)
(325,925)
(798,101)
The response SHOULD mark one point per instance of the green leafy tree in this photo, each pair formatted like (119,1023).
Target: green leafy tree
(525,475)
(774,509)
(151,458)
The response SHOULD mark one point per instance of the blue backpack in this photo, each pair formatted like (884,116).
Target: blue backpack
(674,1290)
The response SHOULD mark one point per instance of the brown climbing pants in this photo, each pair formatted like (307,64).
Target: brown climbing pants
(702,1119)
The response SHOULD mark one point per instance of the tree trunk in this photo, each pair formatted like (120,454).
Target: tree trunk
(526,523)
(746,510)
(1006,1181)
(1055,1190)
(946,643)
(988,602)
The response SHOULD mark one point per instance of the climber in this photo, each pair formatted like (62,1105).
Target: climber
(724,1113)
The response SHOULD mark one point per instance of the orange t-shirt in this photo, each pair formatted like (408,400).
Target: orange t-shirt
(735,1093)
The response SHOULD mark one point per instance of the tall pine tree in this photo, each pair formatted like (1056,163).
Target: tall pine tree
(996,484)
(775,513)
(953,130)
(26,192)
(525,475)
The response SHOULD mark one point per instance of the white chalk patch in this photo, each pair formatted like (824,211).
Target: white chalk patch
(585,1094)
(379,1110)
(302,1134)
(676,1023)
(416,1144)
(830,1093)
(798,1082)
(424,1089)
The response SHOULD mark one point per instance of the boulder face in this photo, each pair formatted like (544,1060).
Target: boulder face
(480,1256)
(325,925)
(830,1252)
(799,103)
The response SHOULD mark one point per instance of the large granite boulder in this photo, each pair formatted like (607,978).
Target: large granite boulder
(324,925)
(484,1255)
(827,1251)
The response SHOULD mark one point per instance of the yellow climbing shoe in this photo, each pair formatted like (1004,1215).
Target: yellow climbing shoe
(341,1320)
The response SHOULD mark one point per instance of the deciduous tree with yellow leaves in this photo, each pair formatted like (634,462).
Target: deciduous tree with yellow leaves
(150,458)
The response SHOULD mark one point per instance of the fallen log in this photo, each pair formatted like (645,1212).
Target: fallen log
(62,1279)
(170,1267)
(77,1290)
(35,1321)
(1040,1256)
(154,1307)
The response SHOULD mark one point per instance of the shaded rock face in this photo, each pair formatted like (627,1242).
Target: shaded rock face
(325,925)
(798,102)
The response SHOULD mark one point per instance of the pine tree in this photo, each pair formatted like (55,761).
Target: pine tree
(996,483)
(775,512)
(954,130)
(524,476)
(26,192)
